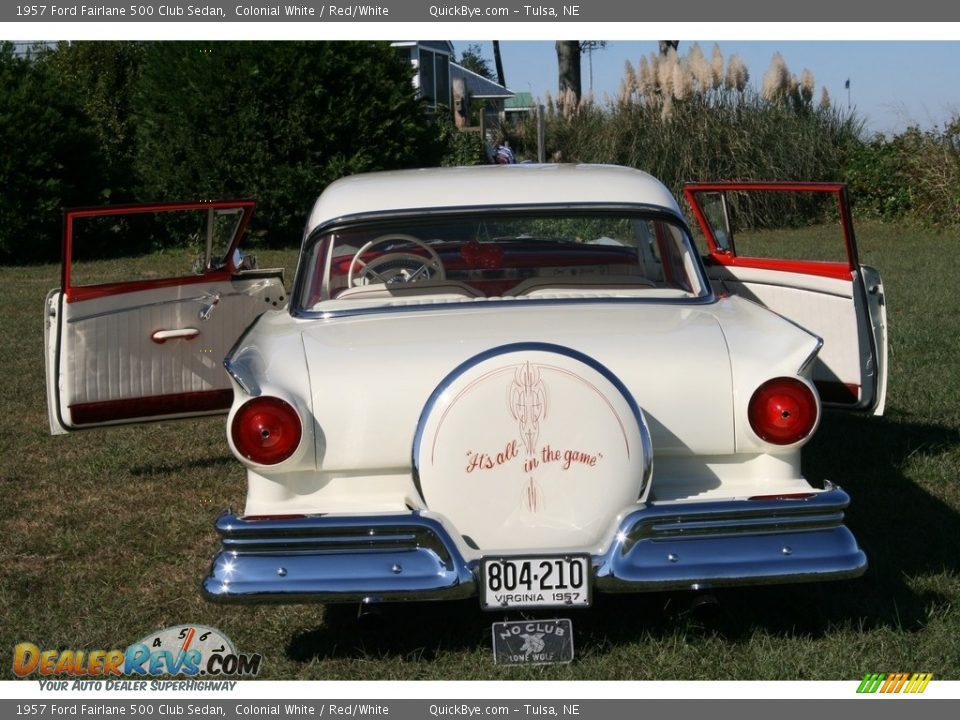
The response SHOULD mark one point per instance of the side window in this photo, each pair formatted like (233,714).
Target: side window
(773,222)
(785,225)
(156,242)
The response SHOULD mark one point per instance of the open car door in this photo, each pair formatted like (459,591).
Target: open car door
(144,339)
(791,248)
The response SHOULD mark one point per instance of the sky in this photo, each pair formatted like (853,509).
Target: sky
(901,74)
(893,85)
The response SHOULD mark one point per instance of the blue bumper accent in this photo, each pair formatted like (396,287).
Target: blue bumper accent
(408,556)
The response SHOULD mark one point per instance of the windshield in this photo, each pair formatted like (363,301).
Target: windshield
(499,254)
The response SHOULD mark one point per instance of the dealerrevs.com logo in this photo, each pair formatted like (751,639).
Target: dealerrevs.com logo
(185,650)
(894,682)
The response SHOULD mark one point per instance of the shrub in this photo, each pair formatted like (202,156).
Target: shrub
(101,76)
(914,175)
(878,188)
(50,157)
(931,169)
(275,121)
(460,147)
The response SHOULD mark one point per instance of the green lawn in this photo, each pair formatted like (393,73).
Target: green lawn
(107,534)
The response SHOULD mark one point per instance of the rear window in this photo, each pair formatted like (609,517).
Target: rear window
(439,258)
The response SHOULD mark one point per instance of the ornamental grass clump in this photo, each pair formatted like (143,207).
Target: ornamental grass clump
(660,79)
(684,117)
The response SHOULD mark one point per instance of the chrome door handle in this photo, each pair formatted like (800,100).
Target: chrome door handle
(161,336)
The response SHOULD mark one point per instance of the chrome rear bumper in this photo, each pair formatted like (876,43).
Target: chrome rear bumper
(743,542)
(337,559)
(408,556)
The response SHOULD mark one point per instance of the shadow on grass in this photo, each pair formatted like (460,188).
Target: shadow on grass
(420,631)
(904,530)
(181,468)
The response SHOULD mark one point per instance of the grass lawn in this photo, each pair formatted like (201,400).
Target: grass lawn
(107,534)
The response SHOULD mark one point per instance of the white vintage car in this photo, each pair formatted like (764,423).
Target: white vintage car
(521,383)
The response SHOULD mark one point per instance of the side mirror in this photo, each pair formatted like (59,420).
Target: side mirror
(243,262)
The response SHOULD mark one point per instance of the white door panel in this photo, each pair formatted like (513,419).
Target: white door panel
(147,349)
(108,353)
(820,284)
(825,307)
(839,288)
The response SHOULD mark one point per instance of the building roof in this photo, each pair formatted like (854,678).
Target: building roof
(477,85)
(443,46)
(519,101)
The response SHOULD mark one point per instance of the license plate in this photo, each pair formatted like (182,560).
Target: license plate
(523,582)
(532,642)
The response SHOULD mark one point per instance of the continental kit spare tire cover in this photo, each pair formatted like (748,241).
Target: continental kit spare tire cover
(531,446)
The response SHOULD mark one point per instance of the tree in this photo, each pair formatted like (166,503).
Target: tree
(102,74)
(472,59)
(568,66)
(501,78)
(276,121)
(667,45)
(49,161)
(569,53)
(588,46)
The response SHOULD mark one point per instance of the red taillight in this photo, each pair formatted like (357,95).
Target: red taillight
(783,411)
(266,430)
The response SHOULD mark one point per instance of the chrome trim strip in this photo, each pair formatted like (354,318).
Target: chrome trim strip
(481,303)
(661,546)
(206,297)
(810,358)
(248,384)
(133,308)
(249,387)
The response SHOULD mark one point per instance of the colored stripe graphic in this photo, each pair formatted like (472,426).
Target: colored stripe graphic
(919,682)
(871,682)
(894,682)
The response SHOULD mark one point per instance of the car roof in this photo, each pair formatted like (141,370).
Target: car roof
(486,186)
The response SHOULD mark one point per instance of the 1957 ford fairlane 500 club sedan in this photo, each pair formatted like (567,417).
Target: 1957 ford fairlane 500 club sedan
(528,384)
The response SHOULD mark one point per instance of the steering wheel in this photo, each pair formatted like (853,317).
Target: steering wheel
(395,267)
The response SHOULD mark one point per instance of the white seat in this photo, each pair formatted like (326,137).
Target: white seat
(404,290)
(606,283)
